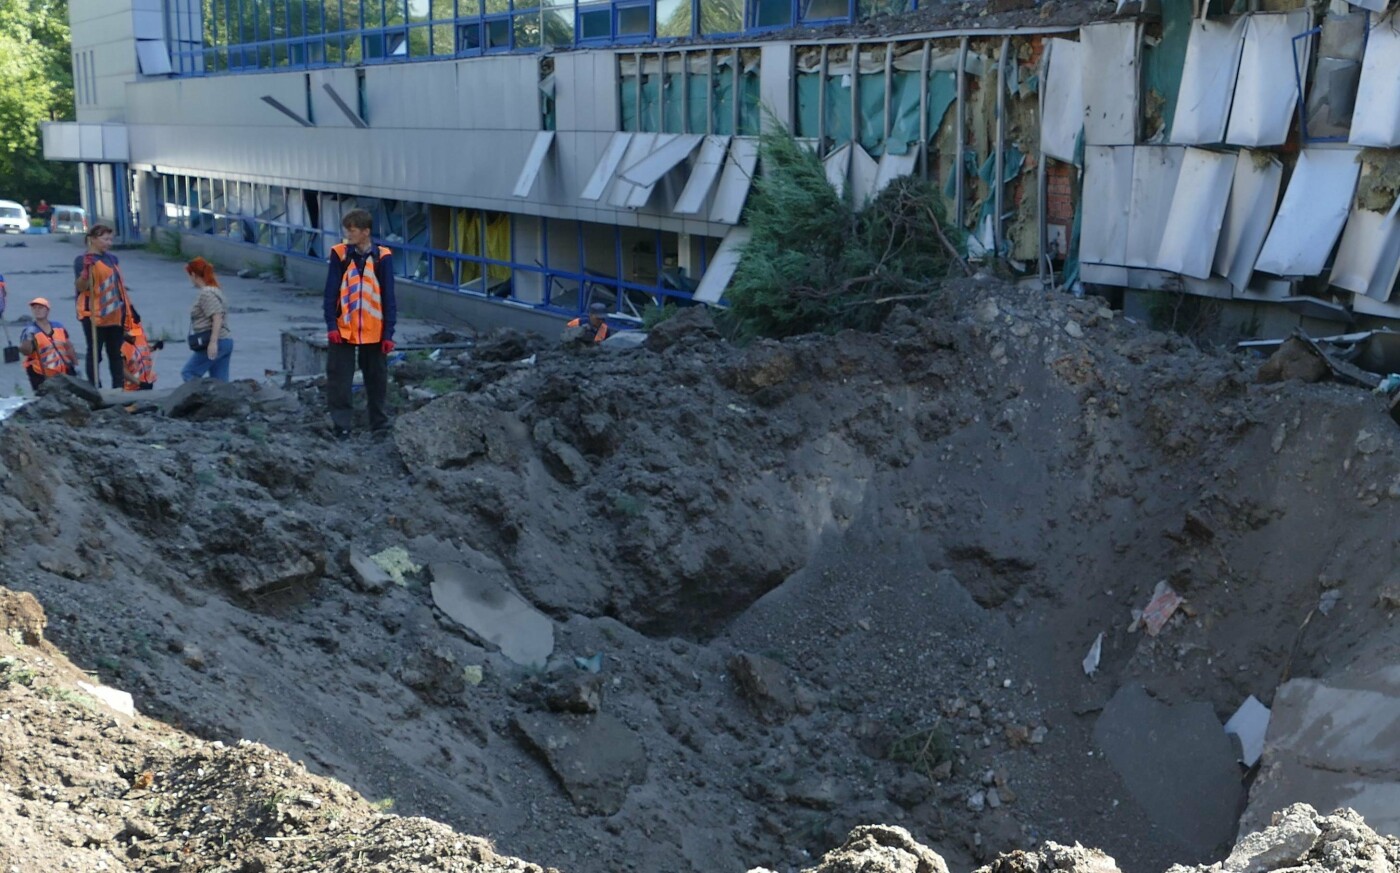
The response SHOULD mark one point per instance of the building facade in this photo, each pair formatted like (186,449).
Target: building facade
(547,154)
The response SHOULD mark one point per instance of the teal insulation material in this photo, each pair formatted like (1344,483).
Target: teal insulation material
(1162,64)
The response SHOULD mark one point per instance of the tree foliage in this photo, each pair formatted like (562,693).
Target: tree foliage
(36,67)
(815,263)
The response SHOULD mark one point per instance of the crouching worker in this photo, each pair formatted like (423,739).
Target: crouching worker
(45,344)
(138,362)
(595,330)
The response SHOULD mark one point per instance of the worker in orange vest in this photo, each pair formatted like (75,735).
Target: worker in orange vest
(45,344)
(138,361)
(104,309)
(597,328)
(360,313)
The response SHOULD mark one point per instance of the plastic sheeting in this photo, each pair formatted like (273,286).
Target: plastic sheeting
(1197,213)
(1063,119)
(1109,55)
(1253,195)
(1314,208)
(1266,90)
(1208,82)
(1376,121)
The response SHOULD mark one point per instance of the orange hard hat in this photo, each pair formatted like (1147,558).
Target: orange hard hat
(41,301)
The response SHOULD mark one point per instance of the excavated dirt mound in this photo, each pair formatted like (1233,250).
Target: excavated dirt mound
(693,607)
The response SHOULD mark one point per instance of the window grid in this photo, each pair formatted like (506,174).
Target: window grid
(476,252)
(249,35)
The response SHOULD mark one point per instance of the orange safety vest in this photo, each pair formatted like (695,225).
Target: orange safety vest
(361,309)
(598,337)
(109,291)
(140,364)
(53,353)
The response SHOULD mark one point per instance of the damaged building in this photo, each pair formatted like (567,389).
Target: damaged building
(541,157)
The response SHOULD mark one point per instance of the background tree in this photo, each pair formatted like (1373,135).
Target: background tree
(36,67)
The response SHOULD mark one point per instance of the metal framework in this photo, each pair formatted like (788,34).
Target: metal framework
(223,36)
(260,215)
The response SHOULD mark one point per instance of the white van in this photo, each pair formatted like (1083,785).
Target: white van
(13,217)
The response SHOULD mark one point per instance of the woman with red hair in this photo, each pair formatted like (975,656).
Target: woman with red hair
(210,339)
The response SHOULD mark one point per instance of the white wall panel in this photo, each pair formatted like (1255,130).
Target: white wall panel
(1253,197)
(1192,229)
(1314,208)
(1064,99)
(1266,90)
(1208,81)
(1376,120)
(1109,55)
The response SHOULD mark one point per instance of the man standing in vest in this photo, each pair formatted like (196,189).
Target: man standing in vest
(360,314)
(103,306)
(45,345)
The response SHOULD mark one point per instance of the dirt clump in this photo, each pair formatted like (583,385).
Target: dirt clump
(792,588)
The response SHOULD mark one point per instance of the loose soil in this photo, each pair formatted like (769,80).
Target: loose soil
(795,588)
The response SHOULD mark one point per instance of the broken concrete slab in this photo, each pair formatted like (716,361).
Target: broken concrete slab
(766,685)
(596,758)
(883,848)
(478,598)
(117,700)
(1331,744)
(1177,763)
(1284,843)
(368,575)
(208,399)
(456,431)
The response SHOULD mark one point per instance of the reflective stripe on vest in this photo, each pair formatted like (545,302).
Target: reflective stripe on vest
(52,354)
(600,335)
(140,365)
(361,319)
(107,290)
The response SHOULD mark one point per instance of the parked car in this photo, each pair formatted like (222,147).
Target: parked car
(13,217)
(68,219)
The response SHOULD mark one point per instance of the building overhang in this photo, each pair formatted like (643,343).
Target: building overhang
(89,143)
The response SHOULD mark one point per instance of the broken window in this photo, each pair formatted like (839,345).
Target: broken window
(1332,87)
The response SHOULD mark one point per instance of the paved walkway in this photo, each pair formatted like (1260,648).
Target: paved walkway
(258,311)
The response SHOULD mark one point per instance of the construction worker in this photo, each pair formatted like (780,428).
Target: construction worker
(4,295)
(45,344)
(104,309)
(596,329)
(139,365)
(360,313)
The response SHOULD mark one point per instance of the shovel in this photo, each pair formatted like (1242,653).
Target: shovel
(11,352)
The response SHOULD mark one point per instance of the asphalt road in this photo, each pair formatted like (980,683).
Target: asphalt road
(42,266)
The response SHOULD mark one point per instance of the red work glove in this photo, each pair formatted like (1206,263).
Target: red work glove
(334,337)
(386,346)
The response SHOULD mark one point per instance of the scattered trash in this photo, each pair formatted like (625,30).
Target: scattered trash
(473,674)
(434,354)
(1091,660)
(593,664)
(1249,724)
(1328,600)
(1160,608)
(395,561)
(1389,385)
